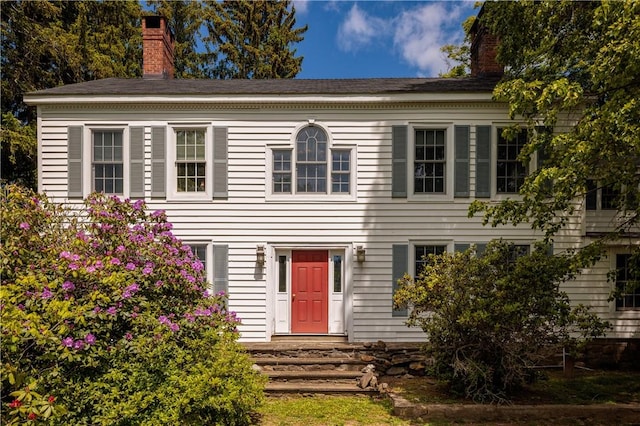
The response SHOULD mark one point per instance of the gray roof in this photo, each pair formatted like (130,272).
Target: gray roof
(364,86)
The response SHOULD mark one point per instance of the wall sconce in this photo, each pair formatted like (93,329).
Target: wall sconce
(361,254)
(260,255)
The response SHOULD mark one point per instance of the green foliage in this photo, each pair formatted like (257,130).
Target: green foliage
(460,54)
(253,39)
(490,318)
(19,151)
(106,319)
(572,68)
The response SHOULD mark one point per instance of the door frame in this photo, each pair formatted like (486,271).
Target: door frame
(277,301)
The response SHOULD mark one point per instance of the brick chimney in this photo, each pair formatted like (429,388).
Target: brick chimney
(157,48)
(484,49)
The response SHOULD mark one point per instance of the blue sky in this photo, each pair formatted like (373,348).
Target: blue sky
(384,38)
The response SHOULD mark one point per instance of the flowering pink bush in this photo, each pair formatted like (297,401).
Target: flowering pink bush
(107,314)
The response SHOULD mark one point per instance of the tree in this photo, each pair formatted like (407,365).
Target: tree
(110,320)
(573,80)
(459,54)
(186,21)
(50,43)
(253,39)
(489,318)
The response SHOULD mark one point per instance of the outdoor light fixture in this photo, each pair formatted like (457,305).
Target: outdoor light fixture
(260,255)
(360,254)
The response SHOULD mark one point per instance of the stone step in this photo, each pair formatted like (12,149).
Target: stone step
(316,388)
(305,361)
(311,375)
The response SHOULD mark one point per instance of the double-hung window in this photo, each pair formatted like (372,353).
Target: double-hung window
(191,161)
(510,171)
(430,161)
(312,166)
(108,161)
(422,253)
(627,282)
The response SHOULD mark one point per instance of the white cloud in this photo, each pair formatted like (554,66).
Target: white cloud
(302,6)
(420,32)
(359,30)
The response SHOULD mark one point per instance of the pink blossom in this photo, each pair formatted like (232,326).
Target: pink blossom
(78,344)
(130,266)
(90,339)
(174,327)
(134,315)
(68,286)
(46,293)
(128,336)
(73,266)
(98,264)
(120,249)
(163,320)
(91,269)
(138,205)
(147,270)
(65,255)
(67,342)
(111,310)
(115,261)
(97,309)
(159,283)
(25,225)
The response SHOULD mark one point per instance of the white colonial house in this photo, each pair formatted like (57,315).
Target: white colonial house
(308,199)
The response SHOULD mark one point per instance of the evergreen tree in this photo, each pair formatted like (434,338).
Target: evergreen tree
(50,43)
(253,39)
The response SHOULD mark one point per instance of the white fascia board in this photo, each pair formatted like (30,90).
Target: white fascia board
(251,99)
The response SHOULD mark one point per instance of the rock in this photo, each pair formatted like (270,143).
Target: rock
(369,368)
(396,371)
(256,367)
(383,387)
(366,379)
(367,358)
(381,345)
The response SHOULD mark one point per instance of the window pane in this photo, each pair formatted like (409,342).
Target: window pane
(108,169)
(429,162)
(337,274)
(510,172)
(282,274)
(422,255)
(627,282)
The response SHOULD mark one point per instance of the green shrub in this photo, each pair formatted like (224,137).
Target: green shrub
(490,318)
(107,319)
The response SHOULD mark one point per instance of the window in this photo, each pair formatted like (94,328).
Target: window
(422,253)
(627,282)
(107,161)
(510,172)
(190,161)
(604,198)
(429,161)
(337,273)
(312,166)
(200,251)
(282,274)
(518,250)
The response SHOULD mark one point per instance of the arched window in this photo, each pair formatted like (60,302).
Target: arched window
(317,166)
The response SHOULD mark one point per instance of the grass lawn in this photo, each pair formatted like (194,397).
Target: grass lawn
(586,387)
(326,410)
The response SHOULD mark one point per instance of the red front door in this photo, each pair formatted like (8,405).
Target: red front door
(309,291)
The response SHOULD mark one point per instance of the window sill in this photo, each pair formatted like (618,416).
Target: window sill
(296,198)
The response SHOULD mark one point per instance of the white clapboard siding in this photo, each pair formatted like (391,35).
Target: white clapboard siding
(373,219)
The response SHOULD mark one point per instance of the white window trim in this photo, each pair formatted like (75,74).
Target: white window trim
(87,157)
(449,167)
(270,195)
(449,248)
(626,314)
(495,195)
(172,191)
